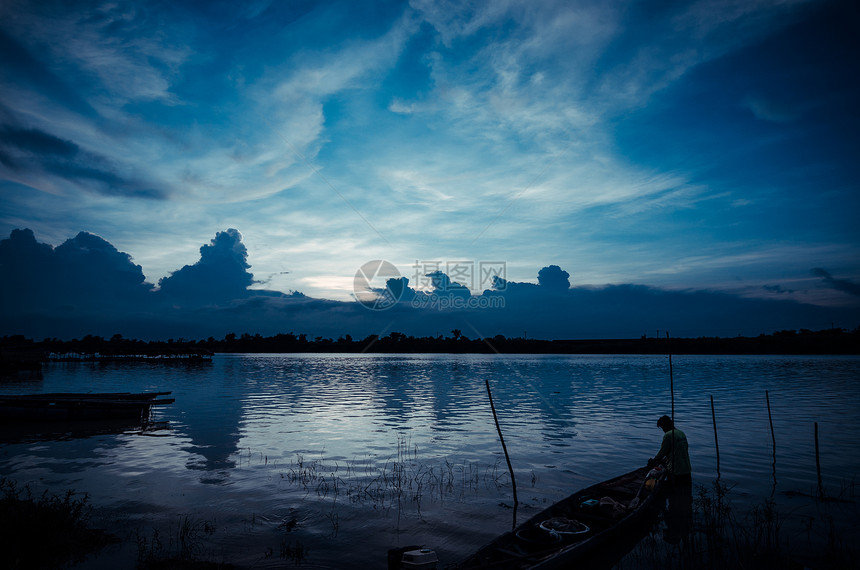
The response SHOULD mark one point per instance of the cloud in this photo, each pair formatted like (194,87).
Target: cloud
(21,68)
(91,269)
(30,155)
(844,285)
(66,77)
(84,274)
(129,49)
(629,310)
(443,285)
(398,288)
(86,286)
(221,275)
(554,278)
(36,142)
(28,269)
(771,109)
(778,289)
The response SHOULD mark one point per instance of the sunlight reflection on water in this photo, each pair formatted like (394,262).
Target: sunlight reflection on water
(259,440)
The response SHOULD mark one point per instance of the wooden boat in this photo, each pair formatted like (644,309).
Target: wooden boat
(46,430)
(589,521)
(79,406)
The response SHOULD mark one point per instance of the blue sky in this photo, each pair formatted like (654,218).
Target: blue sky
(698,146)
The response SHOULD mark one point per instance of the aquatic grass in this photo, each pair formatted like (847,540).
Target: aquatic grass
(294,551)
(722,537)
(400,479)
(45,530)
(183,547)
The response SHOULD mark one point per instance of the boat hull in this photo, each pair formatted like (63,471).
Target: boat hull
(79,407)
(610,524)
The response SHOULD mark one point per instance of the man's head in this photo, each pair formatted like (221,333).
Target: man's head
(665,423)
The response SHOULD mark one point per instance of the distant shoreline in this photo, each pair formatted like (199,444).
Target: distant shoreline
(93,348)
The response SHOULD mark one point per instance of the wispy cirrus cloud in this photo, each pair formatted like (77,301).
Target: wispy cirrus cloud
(616,136)
(124,49)
(36,158)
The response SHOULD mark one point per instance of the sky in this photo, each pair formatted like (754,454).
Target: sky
(704,152)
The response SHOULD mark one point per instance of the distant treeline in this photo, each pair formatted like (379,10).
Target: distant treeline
(828,341)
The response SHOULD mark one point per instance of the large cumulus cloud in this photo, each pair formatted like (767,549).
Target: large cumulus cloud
(84,273)
(86,286)
(221,274)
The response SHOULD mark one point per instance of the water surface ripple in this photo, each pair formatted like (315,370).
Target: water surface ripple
(345,456)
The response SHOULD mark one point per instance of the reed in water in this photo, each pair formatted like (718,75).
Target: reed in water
(763,536)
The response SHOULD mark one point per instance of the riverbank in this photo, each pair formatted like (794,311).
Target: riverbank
(93,348)
(52,531)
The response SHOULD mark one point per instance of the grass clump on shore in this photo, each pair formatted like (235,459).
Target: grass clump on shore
(47,530)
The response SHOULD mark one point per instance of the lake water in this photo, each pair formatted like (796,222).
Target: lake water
(336,458)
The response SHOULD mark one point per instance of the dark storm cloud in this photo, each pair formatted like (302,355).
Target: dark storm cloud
(631,311)
(399,289)
(28,270)
(86,286)
(97,267)
(554,278)
(442,284)
(219,276)
(84,273)
(844,285)
(552,309)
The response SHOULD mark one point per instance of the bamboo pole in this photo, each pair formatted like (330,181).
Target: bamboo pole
(672,387)
(770,419)
(504,448)
(773,439)
(716,441)
(818,465)
(672,396)
(671,382)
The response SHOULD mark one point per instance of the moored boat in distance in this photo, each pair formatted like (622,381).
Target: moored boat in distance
(79,406)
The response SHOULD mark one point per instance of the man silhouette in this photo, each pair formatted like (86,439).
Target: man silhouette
(675,456)
(673,453)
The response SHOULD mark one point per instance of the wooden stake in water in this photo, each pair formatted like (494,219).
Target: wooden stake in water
(716,441)
(770,419)
(672,396)
(818,465)
(671,381)
(672,387)
(505,449)
(772,438)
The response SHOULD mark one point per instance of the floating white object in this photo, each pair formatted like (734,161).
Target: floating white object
(421,559)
